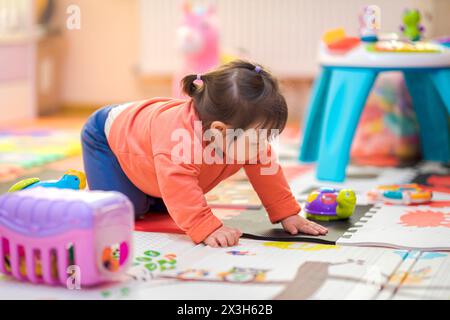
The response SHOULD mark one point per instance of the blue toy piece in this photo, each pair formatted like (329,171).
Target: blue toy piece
(404,194)
(72,179)
(444,41)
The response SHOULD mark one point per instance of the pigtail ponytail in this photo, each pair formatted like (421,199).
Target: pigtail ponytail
(188,85)
(238,94)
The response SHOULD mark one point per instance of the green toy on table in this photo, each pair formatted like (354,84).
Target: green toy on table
(411,27)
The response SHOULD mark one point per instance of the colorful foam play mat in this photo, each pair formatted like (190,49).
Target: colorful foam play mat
(21,150)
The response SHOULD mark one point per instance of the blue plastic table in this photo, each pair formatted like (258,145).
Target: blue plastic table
(340,93)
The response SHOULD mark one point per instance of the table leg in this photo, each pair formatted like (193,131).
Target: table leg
(313,125)
(441,80)
(431,115)
(347,96)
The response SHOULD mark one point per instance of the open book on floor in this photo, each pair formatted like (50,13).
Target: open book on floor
(424,227)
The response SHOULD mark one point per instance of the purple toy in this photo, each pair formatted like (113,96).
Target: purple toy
(54,236)
(327,204)
(445,41)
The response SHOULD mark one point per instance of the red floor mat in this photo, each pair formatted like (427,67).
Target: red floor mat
(157,222)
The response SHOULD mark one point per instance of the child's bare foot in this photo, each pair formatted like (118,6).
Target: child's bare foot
(296,224)
(223,237)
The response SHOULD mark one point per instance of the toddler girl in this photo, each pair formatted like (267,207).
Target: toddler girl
(166,154)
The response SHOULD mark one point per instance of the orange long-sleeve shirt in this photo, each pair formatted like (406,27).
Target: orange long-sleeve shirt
(141,138)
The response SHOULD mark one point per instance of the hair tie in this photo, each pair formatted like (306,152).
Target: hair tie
(258,69)
(199,77)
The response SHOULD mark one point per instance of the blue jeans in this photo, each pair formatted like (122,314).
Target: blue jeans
(103,171)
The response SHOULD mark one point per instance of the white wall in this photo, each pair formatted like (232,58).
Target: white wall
(101,58)
(282,34)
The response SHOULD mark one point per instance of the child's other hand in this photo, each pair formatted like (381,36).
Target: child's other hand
(296,224)
(223,237)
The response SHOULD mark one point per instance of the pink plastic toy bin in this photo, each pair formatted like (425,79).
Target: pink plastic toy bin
(54,236)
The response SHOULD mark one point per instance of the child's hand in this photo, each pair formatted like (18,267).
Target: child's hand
(223,237)
(296,224)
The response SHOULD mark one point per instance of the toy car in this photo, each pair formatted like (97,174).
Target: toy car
(328,204)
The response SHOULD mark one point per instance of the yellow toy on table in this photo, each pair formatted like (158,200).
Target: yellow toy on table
(404,47)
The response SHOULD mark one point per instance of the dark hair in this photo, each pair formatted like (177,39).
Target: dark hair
(238,94)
